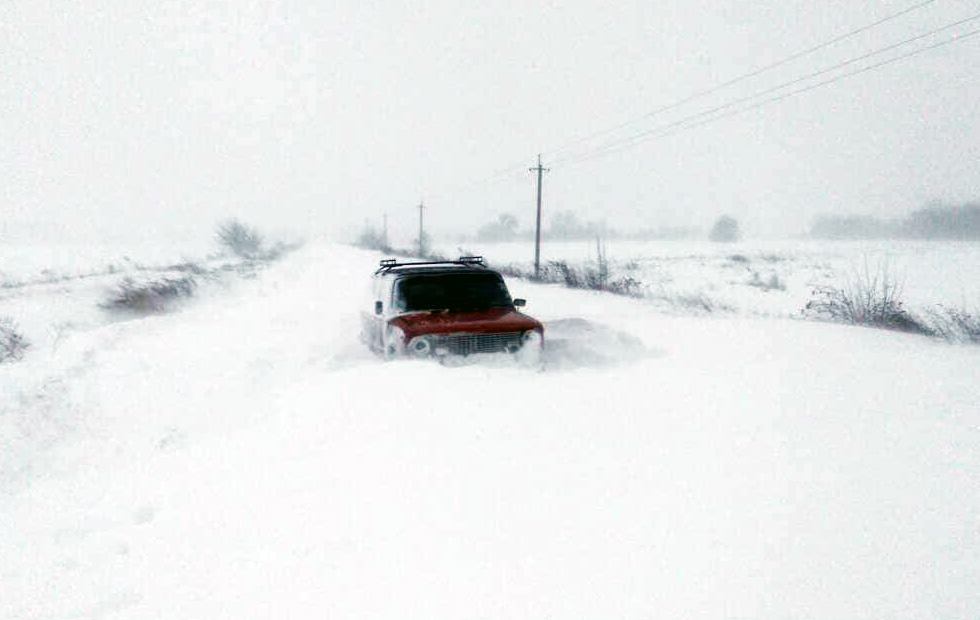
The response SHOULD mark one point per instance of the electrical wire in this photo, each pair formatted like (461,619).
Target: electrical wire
(678,127)
(773,89)
(740,78)
(520,166)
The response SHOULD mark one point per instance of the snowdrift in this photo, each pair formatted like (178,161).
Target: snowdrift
(246,458)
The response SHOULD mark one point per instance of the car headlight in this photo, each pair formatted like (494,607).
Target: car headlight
(420,346)
(532,338)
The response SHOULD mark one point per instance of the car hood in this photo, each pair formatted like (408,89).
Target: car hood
(492,320)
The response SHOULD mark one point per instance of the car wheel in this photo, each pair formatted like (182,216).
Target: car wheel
(390,348)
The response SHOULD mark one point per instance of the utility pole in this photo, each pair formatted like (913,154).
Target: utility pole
(537,229)
(421,231)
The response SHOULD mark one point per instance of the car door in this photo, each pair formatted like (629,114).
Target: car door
(380,323)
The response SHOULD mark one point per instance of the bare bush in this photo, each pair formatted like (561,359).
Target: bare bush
(149,297)
(954,324)
(872,298)
(13,345)
(560,271)
(594,278)
(515,270)
(240,239)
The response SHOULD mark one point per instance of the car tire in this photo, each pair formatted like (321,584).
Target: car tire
(389,348)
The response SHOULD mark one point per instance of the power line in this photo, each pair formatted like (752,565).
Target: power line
(741,78)
(518,166)
(515,167)
(672,129)
(773,89)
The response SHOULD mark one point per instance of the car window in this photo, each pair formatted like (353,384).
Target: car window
(451,291)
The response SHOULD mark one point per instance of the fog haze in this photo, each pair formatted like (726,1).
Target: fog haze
(133,119)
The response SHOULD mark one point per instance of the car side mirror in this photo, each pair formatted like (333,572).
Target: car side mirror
(378,307)
(520,303)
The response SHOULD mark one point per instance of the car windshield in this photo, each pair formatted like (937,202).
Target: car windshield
(451,291)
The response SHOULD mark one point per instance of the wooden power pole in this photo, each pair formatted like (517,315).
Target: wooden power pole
(537,228)
(421,231)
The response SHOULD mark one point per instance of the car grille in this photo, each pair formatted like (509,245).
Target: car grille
(465,344)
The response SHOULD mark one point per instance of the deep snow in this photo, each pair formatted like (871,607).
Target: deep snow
(739,276)
(246,457)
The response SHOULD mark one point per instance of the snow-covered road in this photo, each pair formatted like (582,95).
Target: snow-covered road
(246,458)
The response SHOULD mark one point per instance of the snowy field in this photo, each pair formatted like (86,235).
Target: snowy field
(51,290)
(767,278)
(245,457)
(23,263)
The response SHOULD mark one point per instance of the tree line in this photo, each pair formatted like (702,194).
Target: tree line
(566,226)
(933,222)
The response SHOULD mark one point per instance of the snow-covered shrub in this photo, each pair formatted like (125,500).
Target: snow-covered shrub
(560,271)
(150,296)
(12,342)
(696,302)
(569,275)
(871,298)
(280,249)
(772,283)
(240,239)
(595,278)
(954,324)
(625,285)
(185,267)
(247,243)
(590,277)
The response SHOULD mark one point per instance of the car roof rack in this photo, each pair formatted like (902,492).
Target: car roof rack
(387,264)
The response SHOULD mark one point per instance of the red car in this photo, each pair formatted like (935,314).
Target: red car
(445,308)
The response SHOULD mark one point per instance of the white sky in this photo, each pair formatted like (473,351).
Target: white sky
(132,117)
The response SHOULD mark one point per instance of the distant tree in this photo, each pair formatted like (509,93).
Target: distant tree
(725,230)
(566,225)
(664,232)
(944,222)
(508,222)
(240,239)
(852,227)
(936,221)
(371,238)
(504,229)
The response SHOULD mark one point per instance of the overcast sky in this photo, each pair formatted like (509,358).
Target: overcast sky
(131,116)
